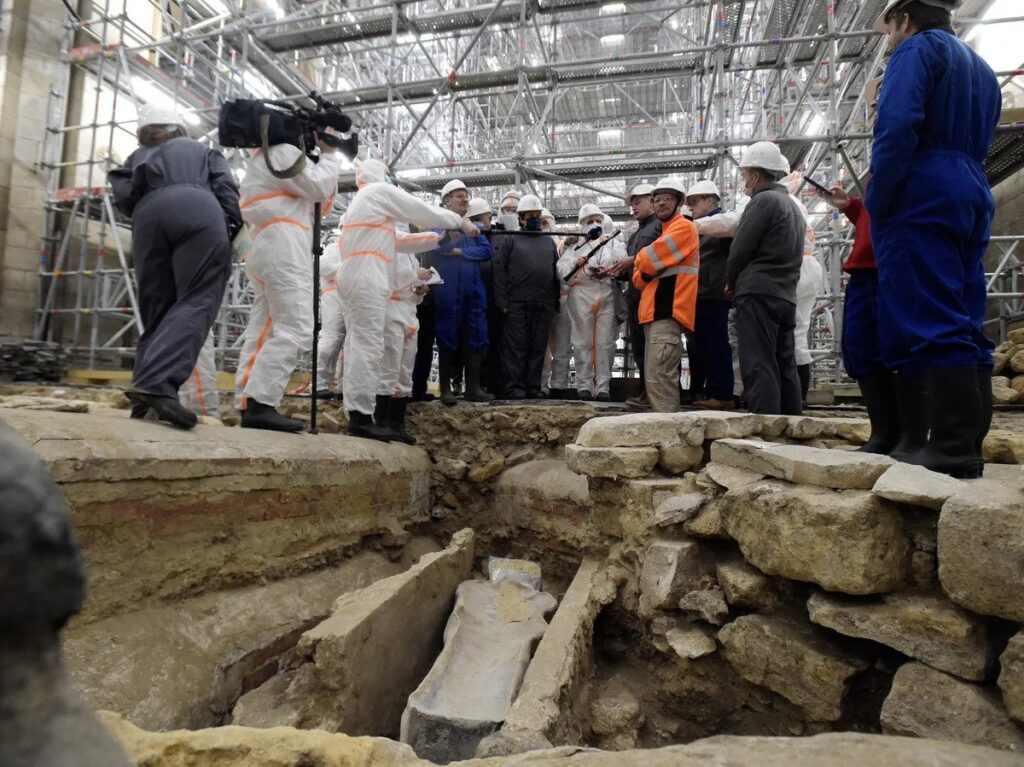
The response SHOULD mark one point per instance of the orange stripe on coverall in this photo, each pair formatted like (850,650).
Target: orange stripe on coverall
(252,360)
(282,220)
(268,196)
(199,390)
(362,253)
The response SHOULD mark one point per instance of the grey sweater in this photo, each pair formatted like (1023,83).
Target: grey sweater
(768,248)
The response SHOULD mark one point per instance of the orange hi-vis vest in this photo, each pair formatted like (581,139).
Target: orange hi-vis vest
(666,274)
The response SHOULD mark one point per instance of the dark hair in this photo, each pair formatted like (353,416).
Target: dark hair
(151,135)
(923,16)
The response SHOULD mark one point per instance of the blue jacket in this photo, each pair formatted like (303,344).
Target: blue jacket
(462,299)
(937,94)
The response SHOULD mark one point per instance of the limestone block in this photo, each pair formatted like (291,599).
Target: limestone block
(362,685)
(545,496)
(745,586)
(916,485)
(1011,676)
(677,509)
(731,477)
(633,430)
(1003,446)
(854,430)
(489,640)
(807,427)
(927,703)
(562,663)
(773,426)
(981,548)
(611,462)
(485,471)
(1003,393)
(615,711)
(1014,337)
(1017,384)
(1017,361)
(1000,362)
(927,627)
(708,605)
(793,659)
(626,509)
(803,465)
(845,541)
(709,522)
(677,458)
(670,570)
(690,642)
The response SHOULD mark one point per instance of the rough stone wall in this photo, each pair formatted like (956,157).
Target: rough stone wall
(830,590)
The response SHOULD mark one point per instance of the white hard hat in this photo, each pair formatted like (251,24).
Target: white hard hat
(703,187)
(478,206)
(640,190)
(547,214)
(670,184)
(529,202)
(452,186)
(511,194)
(892,5)
(767,155)
(153,114)
(587,211)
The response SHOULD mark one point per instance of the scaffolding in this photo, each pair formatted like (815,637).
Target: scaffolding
(575,100)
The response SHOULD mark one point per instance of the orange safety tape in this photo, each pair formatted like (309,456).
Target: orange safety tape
(374,253)
(268,196)
(282,220)
(252,360)
(199,390)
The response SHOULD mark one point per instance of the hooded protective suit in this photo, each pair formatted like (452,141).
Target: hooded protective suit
(366,276)
(591,308)
(332,331)
(811,283)
(280,268)
(199,392)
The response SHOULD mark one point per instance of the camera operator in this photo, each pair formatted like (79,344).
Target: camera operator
(183,202)
(280,268)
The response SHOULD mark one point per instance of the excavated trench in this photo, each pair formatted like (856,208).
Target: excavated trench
(261,581)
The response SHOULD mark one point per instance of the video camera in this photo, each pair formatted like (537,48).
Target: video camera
(254,123)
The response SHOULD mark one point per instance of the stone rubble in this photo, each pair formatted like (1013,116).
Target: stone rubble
(916,485)
(1011,676)
(671,569)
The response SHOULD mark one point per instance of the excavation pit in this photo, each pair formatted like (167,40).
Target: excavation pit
(715,575)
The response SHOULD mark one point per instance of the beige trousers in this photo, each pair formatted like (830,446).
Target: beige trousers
(663,351)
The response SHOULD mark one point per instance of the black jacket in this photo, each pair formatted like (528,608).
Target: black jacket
(768,248)
(648,232)
(180,161)
(714,255)
(524,271)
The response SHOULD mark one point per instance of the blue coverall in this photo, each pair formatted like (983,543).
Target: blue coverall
(929,200)
(462,300)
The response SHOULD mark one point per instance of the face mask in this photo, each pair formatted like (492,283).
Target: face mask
(594,231)
(533,224)
(509,221)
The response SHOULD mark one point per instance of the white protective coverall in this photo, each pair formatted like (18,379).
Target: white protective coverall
(591,305)
(332,323)
(367,248)
(199,392)
(810,285)
(401,329)
(280,267)
(556,362)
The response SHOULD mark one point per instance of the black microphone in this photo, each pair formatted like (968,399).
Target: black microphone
(339,121)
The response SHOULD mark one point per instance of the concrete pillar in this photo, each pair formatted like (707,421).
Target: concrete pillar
(29,64)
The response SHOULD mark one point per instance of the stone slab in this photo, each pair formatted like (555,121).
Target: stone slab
(793,659)
(744,585)
(1011,676)
(927,627)
(804,465)
(287,747)
(846,541)
(731,477)
(927,703)
(162,513)
(677,509)
(916,485)
(981,549)
(545,497)
(488,643)
(611,462)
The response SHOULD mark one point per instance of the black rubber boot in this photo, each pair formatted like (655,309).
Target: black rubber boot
(444,377)
(168,409)
(912,413)
(383,415)
(362,425)
(475,392)
(985,391)
(955,417)
(259,416)
(325,395)
(397,420)
(879,394)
